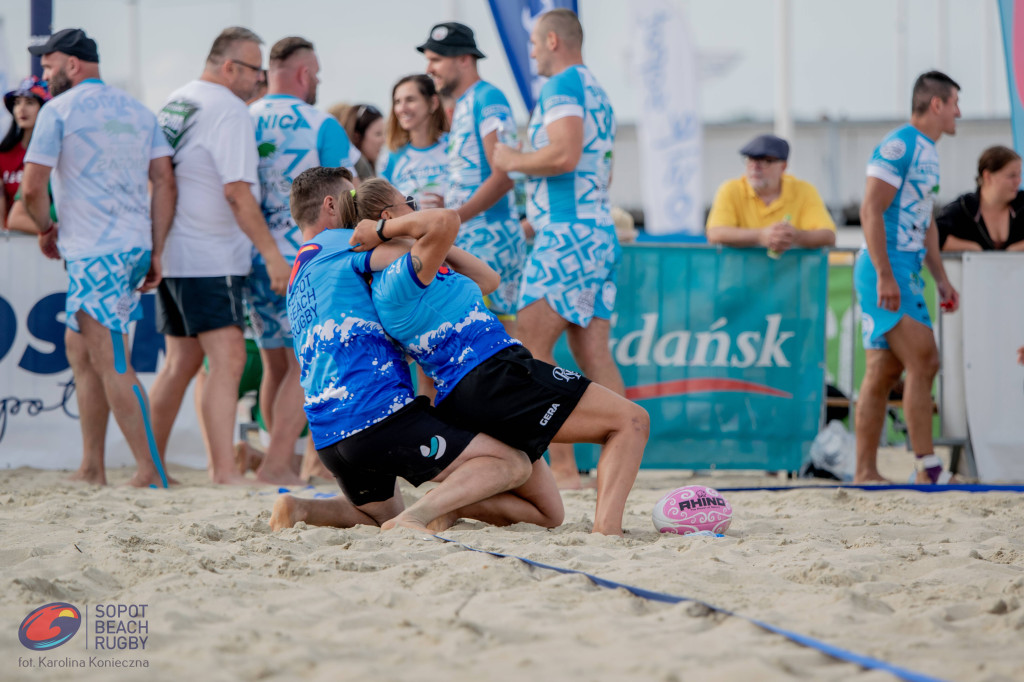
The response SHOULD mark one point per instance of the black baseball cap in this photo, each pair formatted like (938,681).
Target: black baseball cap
(451,39)
(72,42)
(767,145)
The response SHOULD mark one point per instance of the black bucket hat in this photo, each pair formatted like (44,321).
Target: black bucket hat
(452,39)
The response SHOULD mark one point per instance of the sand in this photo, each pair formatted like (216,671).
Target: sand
(930,582)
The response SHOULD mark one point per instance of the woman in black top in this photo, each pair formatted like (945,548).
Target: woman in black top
(991,218)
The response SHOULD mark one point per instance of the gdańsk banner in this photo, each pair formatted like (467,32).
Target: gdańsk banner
(668,127)
(725,348)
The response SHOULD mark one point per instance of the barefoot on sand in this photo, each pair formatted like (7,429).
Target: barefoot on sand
(278,476)
(443,523)
(405,521)
(247,458)
(872,480)
(288,510)
(312,467)
(91,476)
(231,478)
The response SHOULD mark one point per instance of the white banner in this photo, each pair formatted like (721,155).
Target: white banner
(7,79)
(993,330)
(949,332)
(669,128)
(38,408)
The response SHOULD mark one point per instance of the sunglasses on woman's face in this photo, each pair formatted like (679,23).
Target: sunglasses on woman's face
(409,201)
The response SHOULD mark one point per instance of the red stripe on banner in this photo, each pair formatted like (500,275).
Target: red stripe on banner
(683,386)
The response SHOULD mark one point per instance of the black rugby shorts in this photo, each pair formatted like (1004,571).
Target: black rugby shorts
(515,398)
(413,443)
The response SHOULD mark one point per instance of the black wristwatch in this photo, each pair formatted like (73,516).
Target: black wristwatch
(380,231)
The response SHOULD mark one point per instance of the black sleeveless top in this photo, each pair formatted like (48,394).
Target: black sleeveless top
(962,219)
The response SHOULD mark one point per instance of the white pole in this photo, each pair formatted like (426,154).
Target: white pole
(134,53)
(783,114)
(902,97)
(245,13)
(988,51)
(942,41)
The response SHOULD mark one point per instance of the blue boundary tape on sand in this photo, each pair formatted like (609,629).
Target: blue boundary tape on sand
(804,640)
(921,488)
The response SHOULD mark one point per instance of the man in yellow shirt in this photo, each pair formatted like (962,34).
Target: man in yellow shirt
(768,208)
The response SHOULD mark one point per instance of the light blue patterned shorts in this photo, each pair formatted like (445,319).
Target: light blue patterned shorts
(877,322)
(502,245)
(105,288)
(573,267)
(268,312)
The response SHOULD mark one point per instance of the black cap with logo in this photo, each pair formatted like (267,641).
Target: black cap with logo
(451,39)
(72,42)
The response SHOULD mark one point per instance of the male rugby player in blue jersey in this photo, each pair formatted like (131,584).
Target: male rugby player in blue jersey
(485,379)
(479,192)
(102,147)
(900,235)
(291,136)
(367,424)
(569,282)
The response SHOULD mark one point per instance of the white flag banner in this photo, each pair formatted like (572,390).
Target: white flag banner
(993,323)
(6,78)
(668,128)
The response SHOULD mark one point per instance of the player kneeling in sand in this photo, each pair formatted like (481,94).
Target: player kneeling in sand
(367,425)
(485,379)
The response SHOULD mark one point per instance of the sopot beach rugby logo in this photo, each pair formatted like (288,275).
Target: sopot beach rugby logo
(49,626)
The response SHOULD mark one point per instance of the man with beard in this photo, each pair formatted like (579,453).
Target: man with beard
(572,134)
(478,191)
(103,147)
(209,249)
(291,136)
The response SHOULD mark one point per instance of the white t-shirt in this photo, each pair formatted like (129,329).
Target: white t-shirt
(99,141)
(214,144)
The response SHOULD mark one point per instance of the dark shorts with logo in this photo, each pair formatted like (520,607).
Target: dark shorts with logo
(413,443)
(515,398)
(189,306)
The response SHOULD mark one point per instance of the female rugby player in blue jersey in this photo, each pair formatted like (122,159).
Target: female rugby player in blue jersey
(485,379)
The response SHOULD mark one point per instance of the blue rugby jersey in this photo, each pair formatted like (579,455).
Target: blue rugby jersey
(444,325)
(481,110)
(99,141)
(414,171)
(582,193)
(908,160)
(292,136)
(353,375)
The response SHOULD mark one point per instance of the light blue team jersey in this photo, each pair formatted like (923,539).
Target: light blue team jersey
(99,140)
(909,161)
(444,325)
(353,375)
(580,194)
(414,171)
(292,136)
(481,110)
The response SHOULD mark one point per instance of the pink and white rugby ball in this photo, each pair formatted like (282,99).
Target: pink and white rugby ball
(690,509)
